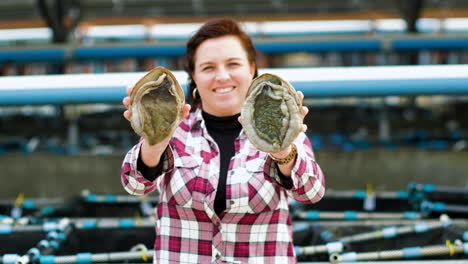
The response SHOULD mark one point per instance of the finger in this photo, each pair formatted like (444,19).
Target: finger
(127,114)
(186,110)
(129,89)
(305,110)
(126,101)
(304,127)
(301,95)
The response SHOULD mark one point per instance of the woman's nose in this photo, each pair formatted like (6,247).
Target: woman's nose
(222,74)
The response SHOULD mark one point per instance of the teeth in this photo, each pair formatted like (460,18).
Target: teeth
(224,90)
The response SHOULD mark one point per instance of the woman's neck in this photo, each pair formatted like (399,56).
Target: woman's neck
(222,123)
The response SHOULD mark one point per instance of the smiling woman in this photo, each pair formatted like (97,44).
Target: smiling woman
(222,77)
(203,49)
(221,199)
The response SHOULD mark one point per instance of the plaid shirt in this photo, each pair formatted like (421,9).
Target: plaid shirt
(256,225)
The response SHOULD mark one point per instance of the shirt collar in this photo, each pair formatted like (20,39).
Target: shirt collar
(196,119)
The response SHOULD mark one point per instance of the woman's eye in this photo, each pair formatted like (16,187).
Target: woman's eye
(234,64)
(207,68)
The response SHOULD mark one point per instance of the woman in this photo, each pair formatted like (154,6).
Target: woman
(221,200)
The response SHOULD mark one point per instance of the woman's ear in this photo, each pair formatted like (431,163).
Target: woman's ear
(253,66)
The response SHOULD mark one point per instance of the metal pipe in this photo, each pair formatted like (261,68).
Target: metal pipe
(405,253)
(386,233)
(112,198)
(58,233)
(384,222)
(33,202)
(432,188)
(391,232)
(82,223)
(103,223)
(429,207)
(354,215)
(114,223)
(329,248)
(99,257)
(361,194)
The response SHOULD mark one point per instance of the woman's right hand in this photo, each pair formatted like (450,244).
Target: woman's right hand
(150,155)
(126,102)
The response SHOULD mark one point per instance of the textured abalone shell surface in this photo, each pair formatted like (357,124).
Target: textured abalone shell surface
(156,103)
(271,114)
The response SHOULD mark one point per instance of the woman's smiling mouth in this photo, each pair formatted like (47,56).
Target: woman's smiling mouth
(223,90)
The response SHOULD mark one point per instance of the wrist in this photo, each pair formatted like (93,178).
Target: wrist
(285,156)
(282,154)
(151,154)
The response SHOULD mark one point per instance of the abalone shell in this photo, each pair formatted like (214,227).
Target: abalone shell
(271,114)
(156,103)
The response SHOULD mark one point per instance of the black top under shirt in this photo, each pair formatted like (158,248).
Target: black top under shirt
(224,131)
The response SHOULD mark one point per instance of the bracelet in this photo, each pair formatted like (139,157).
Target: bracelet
(288,158)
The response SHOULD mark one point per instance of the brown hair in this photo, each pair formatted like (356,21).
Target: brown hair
(214,29)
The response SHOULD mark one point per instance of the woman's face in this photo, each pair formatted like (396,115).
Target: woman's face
(223,75)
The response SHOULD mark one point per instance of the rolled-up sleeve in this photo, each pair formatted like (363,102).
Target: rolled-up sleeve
(308,181)
(132,179)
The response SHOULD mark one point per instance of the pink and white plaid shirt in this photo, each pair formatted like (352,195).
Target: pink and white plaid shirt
(256,225)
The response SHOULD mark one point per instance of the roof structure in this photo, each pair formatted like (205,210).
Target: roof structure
(125,11)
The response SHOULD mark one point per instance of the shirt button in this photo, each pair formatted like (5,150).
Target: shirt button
(232,202)
(218,256)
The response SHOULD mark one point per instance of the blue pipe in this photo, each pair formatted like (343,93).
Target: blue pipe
(32,55)
(119,51)
(319,46)
(311,89)
(429,44)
